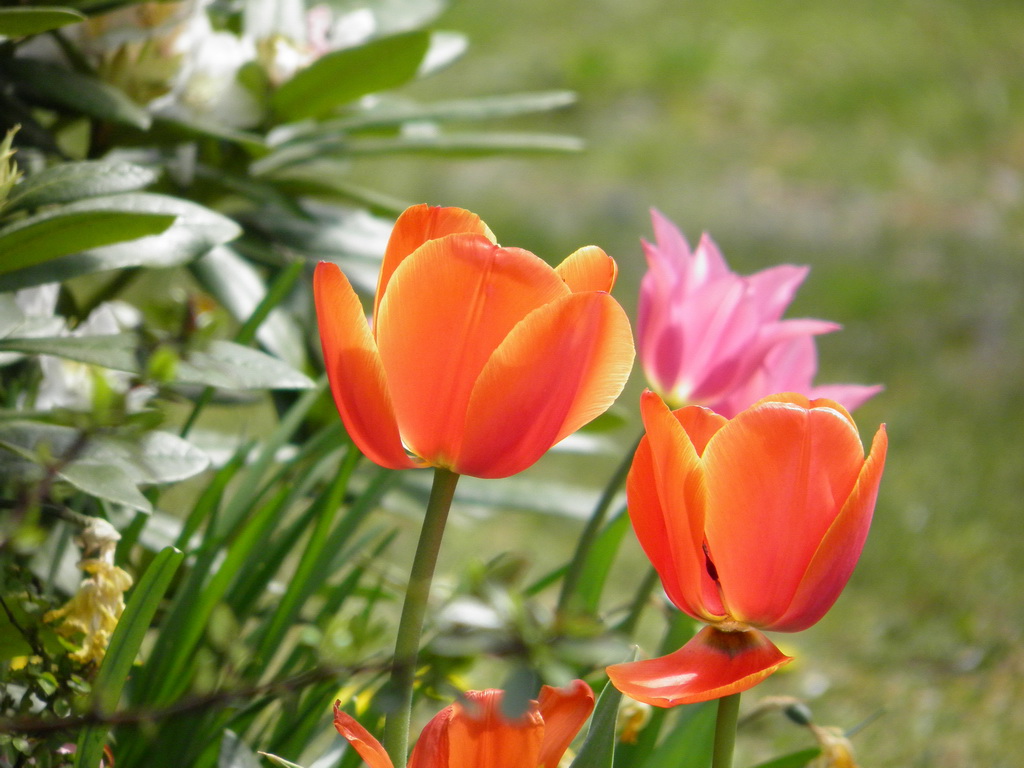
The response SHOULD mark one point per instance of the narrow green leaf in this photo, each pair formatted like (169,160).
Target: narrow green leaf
(598,749)
(484,108)
(21,22)
(280,761)
(71,181)
(117,351)
(46,236)
(470,144)
(51,85)
(343,76)
(599,562)
(123,648)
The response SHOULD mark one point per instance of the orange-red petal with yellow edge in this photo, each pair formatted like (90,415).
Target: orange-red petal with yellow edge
(711,665)
(354,369)
(777,477)
(677,474)
(562,366)
(448,307)
(480,736)
(369,748)
(833,563)
(588,269)
(564,711)
(700,424)
(416,226)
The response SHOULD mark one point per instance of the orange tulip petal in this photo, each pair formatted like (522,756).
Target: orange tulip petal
(432,747)
(448,307)
(562,366)
(675,543)
(368,747)
(479,735)
(711,665)
(354,369)
(833,563)
(700,424)
(588,269)
(416,226)
(778,474)
(564,711)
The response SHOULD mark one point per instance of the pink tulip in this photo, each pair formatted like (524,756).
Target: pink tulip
(709,336)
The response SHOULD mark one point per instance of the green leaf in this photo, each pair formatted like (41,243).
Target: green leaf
(117,351)
(793,760)
(71,181)
(689,744)
(123,648)
(21,22)
(280,761)
(485,108)
(51,85)
(346,75)
(240,288)
(598,750)
(599,562)
(231,366)
(107,466)
(47,236)
(194,231)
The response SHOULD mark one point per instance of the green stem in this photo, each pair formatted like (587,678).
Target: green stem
(725,731)
(586,541)
(643,595)
(410,626)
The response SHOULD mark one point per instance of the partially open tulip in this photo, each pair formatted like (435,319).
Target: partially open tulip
(479,358)
(473,733)
(708,336)
(754,523)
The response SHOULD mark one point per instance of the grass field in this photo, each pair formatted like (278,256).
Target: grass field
(882,143)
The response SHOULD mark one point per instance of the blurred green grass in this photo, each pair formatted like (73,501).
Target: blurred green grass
(881,143)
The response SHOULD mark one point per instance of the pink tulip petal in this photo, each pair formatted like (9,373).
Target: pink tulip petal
(369,748)
(836,557)
(354,369)
(711,665)
(777,477)
(563,365)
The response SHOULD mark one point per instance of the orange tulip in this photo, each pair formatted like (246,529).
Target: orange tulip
(752,523)
(473,733)
(479,358)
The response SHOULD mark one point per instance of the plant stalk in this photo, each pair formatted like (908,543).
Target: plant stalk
(410,626)
(725,731)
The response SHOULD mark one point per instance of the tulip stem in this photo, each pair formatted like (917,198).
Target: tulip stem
(410,625)
(725,731)
(586,541)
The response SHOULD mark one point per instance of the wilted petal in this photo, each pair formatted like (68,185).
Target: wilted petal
(564,711)
(369,748)
(562,366)
(355,371)
(711,665)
